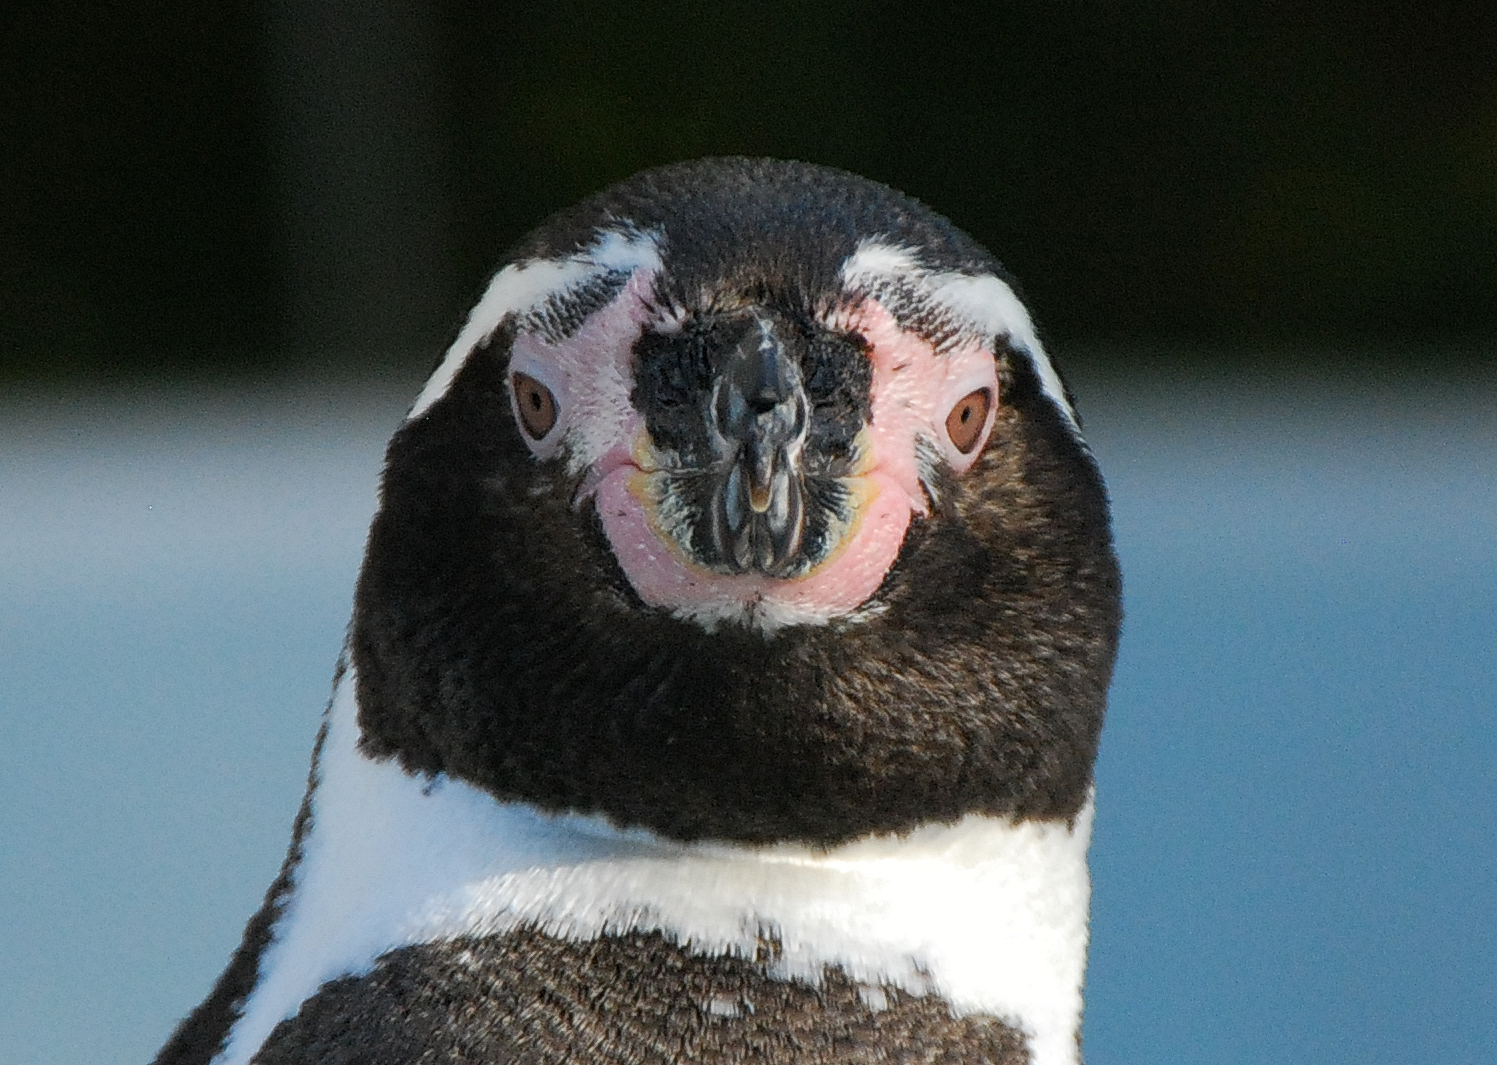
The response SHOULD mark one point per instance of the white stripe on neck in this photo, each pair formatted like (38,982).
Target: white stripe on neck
(990,915)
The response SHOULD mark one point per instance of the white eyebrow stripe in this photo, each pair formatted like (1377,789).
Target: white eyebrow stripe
(524,286)
(981,304)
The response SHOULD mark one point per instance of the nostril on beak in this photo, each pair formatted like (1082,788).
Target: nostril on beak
(764,402)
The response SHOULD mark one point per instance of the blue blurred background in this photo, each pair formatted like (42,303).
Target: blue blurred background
(1262,238)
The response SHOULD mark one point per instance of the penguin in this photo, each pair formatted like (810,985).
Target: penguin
(727,665)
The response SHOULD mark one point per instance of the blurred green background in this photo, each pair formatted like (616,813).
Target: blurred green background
(239,187)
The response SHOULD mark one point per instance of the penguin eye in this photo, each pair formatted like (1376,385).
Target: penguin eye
(965,423)
(536,403)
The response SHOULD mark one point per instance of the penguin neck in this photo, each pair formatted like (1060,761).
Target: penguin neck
(987,913)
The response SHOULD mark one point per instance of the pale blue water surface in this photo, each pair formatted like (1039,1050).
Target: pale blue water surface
(1296,847)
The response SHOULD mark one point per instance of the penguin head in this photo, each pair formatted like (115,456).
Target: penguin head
(747,505)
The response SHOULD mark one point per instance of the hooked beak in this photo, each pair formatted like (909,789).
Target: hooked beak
(759,417)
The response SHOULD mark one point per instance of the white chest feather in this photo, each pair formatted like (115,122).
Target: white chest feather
(990,915)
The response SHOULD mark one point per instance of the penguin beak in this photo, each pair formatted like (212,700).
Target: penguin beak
(759,417)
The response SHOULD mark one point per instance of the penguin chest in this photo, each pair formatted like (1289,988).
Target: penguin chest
(529,997)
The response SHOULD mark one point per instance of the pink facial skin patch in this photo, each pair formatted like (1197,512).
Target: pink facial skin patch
(664,577)
(590,376)
(914,389)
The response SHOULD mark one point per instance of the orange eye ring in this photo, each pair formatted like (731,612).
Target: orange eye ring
(965,423)
(536,404)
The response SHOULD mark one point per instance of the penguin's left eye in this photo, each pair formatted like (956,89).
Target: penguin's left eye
(965,423)
(536,404)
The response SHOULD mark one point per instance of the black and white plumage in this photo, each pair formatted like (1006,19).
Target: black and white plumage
(727,665)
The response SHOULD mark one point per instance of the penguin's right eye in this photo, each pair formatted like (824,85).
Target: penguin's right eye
(536,404)
(967,420)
